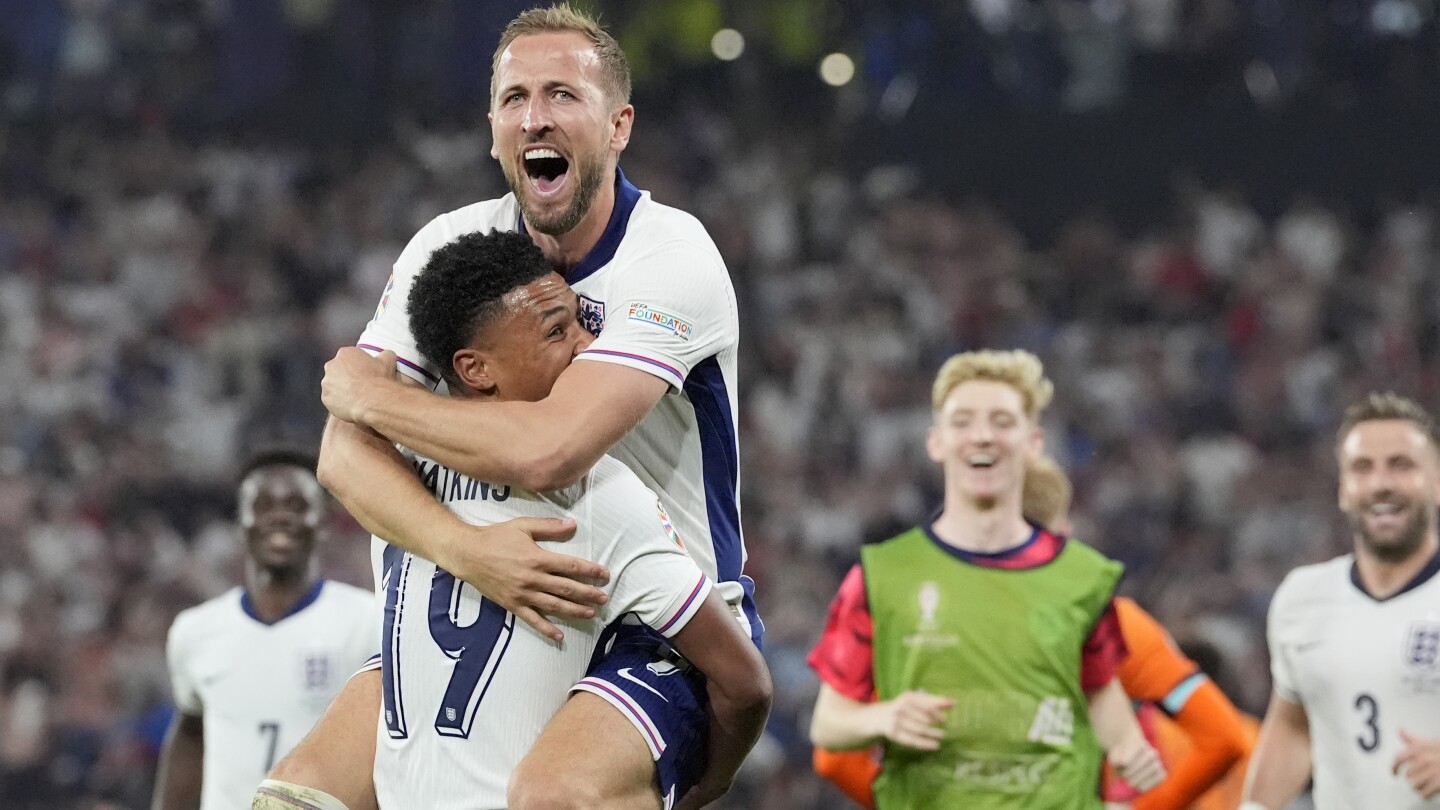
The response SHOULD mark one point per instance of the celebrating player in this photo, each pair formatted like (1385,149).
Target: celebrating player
(655,390)
(1155,674)
(254,668)
(974,711)
(1355,642)
(466,690)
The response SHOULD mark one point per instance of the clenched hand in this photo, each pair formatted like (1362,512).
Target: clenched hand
(349,376)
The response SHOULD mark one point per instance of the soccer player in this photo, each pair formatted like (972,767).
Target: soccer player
(254,668)
(1155,674)
(467,691)
(1355,642)
(656,390)
(990,642)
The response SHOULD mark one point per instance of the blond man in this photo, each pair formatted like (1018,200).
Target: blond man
(989,643)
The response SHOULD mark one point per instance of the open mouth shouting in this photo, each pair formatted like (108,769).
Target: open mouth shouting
(546,169)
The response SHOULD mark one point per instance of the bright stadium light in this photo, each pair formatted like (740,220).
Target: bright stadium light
(727,44)
(837,69)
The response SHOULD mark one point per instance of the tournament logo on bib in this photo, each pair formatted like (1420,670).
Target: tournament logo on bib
(592,315)
(928,632)
(929,599)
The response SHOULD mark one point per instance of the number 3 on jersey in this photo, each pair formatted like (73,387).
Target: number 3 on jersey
(1369,738)
(476,647)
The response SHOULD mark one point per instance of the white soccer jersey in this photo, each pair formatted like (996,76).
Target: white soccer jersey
(467,687)
(260,687)
(1363,669)
(656,292)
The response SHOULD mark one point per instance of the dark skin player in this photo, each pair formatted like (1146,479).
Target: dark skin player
(281,507)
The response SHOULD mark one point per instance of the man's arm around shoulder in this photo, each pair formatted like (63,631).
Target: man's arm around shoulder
(540,446)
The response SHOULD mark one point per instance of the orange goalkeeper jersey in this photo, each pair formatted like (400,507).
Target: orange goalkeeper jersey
(1212,740)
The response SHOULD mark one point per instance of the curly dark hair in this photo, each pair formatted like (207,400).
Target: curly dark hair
(458,292)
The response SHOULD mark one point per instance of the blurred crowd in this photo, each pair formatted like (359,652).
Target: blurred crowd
(170,287)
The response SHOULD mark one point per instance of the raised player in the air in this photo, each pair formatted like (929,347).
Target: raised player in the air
(253,669)
(1355,642)
(467,689)
(989,643)
(656,390)
(1160,680)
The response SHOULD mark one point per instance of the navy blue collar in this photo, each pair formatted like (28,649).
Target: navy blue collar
(1431,569)
(978,557)
(626,196)
(248,605)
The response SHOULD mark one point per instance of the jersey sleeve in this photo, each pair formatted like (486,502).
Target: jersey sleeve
(177,659)
(389,327)
(669,310)
(1156,670)
(1103,651)
(1281,673)
(651,574)
(845,655)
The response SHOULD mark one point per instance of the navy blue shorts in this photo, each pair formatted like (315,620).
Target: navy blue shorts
(662,696)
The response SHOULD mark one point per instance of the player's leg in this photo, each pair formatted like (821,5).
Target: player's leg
(590,757)
(337,757)
(632,734)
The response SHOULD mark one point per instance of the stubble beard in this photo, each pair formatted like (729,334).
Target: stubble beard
(589,174)
(1405,543)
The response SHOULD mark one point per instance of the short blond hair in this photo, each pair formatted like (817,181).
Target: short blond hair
(559,19)
(1047,493)
(1018,369)
(1385,406)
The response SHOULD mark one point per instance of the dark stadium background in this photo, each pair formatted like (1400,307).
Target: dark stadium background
(1214,219)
